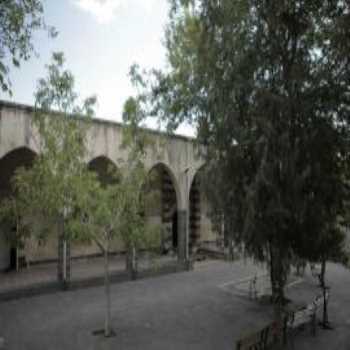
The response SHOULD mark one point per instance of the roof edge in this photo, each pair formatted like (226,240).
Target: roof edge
(31,109)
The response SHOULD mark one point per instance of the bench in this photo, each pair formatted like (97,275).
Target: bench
(259,340)
(294,319)
(303,316)
(300,317)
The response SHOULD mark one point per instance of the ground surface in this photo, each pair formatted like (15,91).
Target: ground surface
(202,309)
(80,269)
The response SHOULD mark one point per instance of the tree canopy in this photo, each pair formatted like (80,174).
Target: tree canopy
(266,83)
(60,123)
(19,20)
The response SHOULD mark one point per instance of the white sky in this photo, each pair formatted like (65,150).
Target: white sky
(101,39)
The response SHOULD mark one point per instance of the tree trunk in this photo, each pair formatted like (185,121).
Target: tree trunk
(108,295)
(60,231)
(323,274)
(325,321)
(134,262)
(272,275)
(230,249)
(131,262)
(277,288)
(277,276)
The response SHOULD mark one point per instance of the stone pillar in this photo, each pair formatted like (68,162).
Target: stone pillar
(183,241)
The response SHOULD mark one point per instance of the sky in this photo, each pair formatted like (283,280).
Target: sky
(101,39)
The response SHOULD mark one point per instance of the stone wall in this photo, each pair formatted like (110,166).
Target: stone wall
(178,156)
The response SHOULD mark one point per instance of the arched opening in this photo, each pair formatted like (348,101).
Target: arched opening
(107,173)
(195,212)
(9,164)
(105,170)
(162,206)
(201,232)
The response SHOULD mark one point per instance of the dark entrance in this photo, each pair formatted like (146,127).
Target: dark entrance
(9,164)
(174,229)
(161,206)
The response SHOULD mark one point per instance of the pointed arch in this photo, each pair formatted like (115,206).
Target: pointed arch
(10,162)
(200,225)
(104,168)
(162,203)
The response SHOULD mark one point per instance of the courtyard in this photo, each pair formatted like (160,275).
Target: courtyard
(206,308)
(37,278)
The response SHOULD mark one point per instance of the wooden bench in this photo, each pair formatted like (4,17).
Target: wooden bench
(300,317)
(259,340)
(303,316)
(294,319)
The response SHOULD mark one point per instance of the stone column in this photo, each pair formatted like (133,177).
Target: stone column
(182,247)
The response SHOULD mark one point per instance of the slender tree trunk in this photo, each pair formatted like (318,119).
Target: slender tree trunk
(131,262)
(277,288)
(230,249)
(134,262)
(325,321)
(17,250)
(272,274)
(323,274)
(60,231)
(277,276)
(108,295)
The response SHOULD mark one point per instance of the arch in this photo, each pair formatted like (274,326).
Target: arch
(105,169)
(194,207)
(162,204)
(8,147)
(199,226)
(196,172)
(10,162)
(171,173)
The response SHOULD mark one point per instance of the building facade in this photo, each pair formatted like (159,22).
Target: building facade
(181,208)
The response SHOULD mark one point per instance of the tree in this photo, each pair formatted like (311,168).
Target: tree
(325,216)
(60,188)
(110,212)
(49,189)
(115,210)
(267,85)
(19,20)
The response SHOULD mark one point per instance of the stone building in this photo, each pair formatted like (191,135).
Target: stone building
(181,207)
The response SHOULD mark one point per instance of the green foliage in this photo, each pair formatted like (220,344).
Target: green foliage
(10,217)
(19,20)
(135,138)
(50,188)
(114,211)
(267,85)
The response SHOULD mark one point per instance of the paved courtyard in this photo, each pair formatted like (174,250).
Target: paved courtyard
(81,269)
(201,309)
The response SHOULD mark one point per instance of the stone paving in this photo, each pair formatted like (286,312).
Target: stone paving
(80,270)
(190,310)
